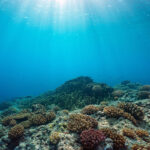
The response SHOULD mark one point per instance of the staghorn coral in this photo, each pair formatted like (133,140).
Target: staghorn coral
(133,109)
(79,122)
(54,137)
(90,109)
(91,138)
(114,112)
(129,133)
(16,132)
(118,140)
(38,119)
(141,133)
(50,116)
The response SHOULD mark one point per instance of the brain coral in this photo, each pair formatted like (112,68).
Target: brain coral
(90,109)
(133,109)
(91,138)
(118,140)
(112,111)
(80,122)
(38,119)
(16,132)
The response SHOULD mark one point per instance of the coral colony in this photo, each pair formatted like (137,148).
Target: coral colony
(79,115)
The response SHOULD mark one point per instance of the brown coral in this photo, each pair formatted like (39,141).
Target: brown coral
(129,133)
(142,133)
(6,121)
(140,147)
(118,140)
(114,112)
(143,94)
(90,109)
(80,122)
(12,122)
(50,116)
(133,109)
(118,93)
(26,124)
(38,119)
(16,132)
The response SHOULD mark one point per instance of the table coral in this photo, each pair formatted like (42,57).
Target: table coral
(80,122)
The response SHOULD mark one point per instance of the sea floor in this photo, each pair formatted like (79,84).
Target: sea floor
(79,115)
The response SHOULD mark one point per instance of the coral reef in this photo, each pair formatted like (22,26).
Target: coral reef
(90,109)
(80,122)
(117,93)
(50,116)
(142,133)
(133,109)
(16,132)
(4,105)
(140,147)
(114,112)
(91,138)
(118,140)
(145,88)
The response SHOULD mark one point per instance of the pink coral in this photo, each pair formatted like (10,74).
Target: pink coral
(91,138)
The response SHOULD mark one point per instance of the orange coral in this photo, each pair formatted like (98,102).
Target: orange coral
(142,133)
(112,111)
(133,109)
(80,122)
(129,133)
(90,109)
(118,140)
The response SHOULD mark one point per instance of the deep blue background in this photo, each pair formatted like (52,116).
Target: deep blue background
(41,47)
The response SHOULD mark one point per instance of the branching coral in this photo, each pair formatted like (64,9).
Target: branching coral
(80,122)
(112,111)
(16,132)
(142,133)
(91,138)
(129,133)
(140,147)
(50,116)
(118,140)
(38,119)
(133,109)
(90,109)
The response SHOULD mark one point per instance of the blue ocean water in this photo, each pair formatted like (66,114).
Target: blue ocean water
(46,42)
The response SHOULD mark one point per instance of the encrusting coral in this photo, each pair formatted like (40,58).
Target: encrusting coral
(90,109)
(79,122)
(133,109)
(129,133)
(114,112)
(16,132)
(118,140)
(91,138)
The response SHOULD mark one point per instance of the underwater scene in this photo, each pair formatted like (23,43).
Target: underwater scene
(74,74)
